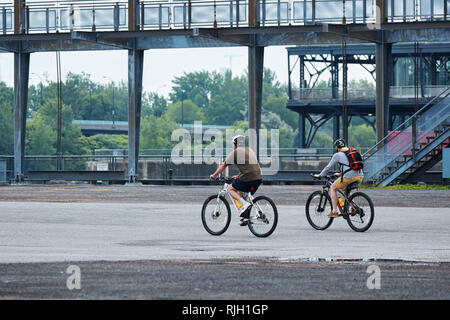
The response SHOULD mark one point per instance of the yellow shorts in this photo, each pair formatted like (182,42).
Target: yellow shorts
(346,181)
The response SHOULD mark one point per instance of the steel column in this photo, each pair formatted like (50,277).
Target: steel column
(133,23)
(383,81)
(19,21)
(336,129)
(255,84)
(253,13)
(345,121)
(302,72)
(383,55)
(301,130)
(135,72)
(334,77)
(380,11)
(21,74)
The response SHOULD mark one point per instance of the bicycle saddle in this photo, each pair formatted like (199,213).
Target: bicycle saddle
(352,186)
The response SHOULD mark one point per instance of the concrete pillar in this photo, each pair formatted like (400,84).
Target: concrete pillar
(21,74)
(135,72)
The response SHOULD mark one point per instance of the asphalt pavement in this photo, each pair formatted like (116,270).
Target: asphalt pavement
(158,249)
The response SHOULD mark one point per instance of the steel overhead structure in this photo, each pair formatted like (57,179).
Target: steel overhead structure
(254,36)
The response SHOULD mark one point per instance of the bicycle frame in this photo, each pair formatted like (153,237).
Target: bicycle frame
(344,195)
(246,195)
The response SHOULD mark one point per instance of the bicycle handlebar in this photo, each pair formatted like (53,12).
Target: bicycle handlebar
(327,177)
(224,180)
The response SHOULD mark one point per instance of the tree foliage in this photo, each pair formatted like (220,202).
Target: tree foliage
(211,97)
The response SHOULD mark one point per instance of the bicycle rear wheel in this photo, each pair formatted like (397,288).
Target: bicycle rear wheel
(216,215)
(317,208)
(263,217)
(360,211)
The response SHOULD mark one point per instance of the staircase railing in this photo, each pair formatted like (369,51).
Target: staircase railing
(403,141)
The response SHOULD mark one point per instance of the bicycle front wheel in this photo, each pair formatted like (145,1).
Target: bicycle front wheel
(317,208)
(216,215)
(263,217)
(360,212)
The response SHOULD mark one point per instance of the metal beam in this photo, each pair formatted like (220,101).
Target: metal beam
(244,36)
(135,72)
(411,35)
(93,38)
(21,74)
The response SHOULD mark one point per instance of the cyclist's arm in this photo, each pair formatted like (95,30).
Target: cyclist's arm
(237,176)
(219,170)
(333,161)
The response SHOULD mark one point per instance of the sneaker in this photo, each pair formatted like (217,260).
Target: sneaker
(243,222)
(333,214)
(245,210)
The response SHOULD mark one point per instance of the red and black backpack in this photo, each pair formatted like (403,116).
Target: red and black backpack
(354,159)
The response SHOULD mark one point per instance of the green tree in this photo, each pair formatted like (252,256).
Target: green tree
(198,87)
(106,141)
(42,132)
(6,119)
(184,111)
(361,136)
(41,138)
(153,104)
(322,140)
(6,128)
(229,103)
(156,133)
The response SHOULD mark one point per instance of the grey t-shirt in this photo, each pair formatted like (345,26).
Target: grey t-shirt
(337,159)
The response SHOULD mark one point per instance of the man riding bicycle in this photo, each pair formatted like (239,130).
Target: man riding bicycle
(347,177)
(249,178)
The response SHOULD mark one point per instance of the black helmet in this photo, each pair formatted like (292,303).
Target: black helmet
(339,143)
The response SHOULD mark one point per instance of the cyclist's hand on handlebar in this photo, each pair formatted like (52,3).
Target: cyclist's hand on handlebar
(213,177)
(337,174)
(316,176)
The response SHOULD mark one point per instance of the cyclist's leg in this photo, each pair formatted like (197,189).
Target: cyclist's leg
(338,184)
(342,185)
(254,185)
(234,193)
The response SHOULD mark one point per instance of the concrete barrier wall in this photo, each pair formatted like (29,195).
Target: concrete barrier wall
(159,169)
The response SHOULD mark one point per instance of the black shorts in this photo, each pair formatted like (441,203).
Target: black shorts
(246,186)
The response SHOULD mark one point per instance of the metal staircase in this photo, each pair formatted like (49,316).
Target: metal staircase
(413,147)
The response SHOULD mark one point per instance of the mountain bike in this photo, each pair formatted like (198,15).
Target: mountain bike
(356,208)
(216,212)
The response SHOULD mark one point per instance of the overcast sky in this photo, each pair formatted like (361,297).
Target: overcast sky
(160,65)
